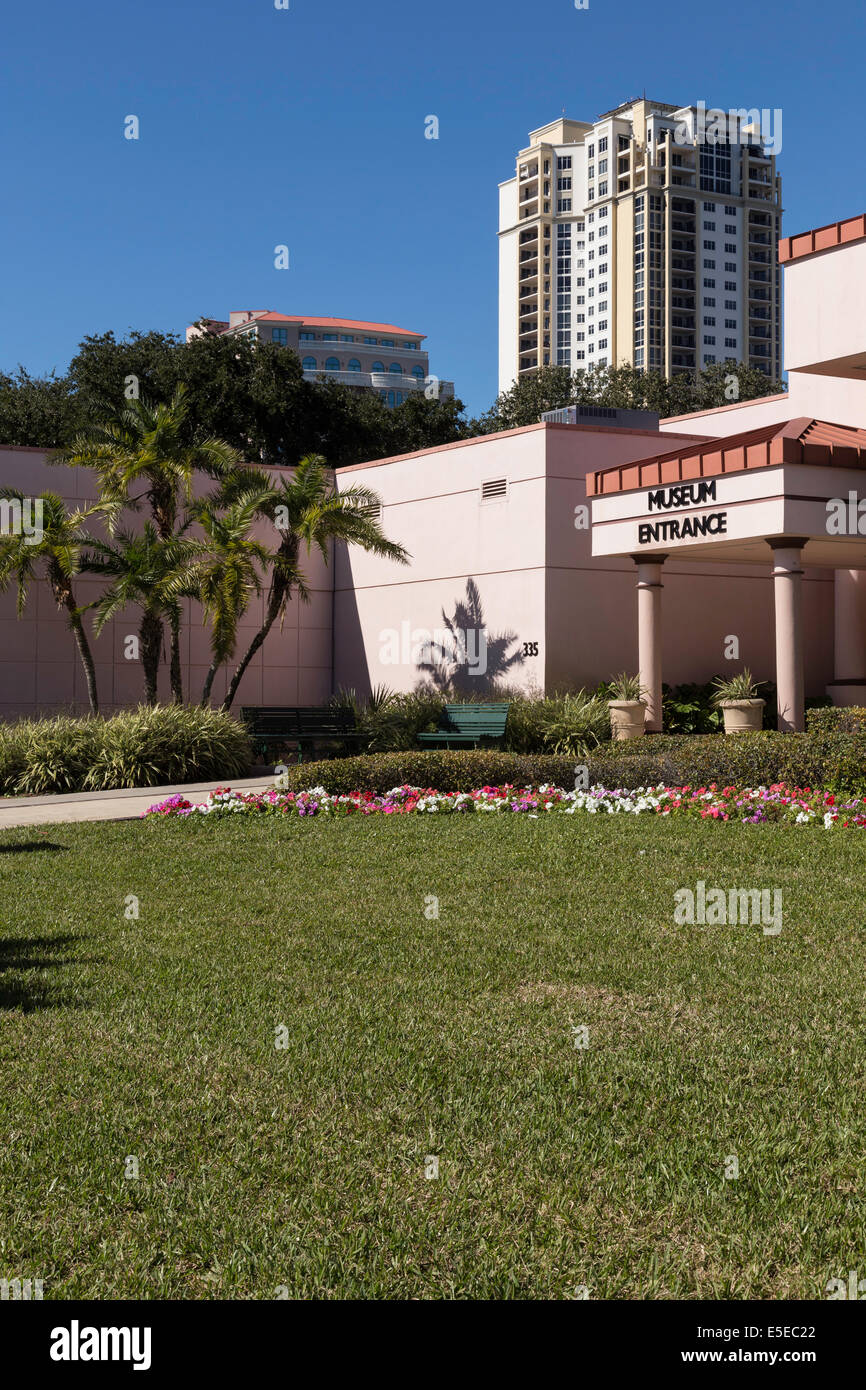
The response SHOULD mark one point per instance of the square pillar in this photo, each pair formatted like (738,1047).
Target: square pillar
(849,652)
(788,598)
(649,636)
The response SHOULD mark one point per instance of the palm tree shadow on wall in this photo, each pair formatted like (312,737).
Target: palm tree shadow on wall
(464,657)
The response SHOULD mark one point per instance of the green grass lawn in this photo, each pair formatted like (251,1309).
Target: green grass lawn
(303,1167)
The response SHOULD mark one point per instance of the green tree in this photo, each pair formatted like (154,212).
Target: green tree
(152,574)
(105,375)
(256,397)
(352,426)
(253,395)
(52,551)
(423,423)
(226,573)
(307,511)
(37,411)
(147,455)
(550,388)
(628,388)
(723,383)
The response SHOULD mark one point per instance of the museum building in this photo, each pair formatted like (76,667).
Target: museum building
(580,546)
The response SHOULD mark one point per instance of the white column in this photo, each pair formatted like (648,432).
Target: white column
(788,595)
(649,636)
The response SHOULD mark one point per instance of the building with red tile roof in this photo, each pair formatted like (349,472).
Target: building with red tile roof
(358,353)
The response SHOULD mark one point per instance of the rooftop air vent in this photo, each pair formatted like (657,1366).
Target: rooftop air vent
(603,415)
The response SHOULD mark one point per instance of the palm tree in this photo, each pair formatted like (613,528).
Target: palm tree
(151,573)
(151,448)
(53,548)
(308,511)
(226,573)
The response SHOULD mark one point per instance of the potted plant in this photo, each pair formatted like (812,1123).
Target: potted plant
(738,699)
(627,706)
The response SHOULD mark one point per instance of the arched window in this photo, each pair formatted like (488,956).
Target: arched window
(354,365)
(396,369)
(378,367)
(419,372)
(309,364)
(332,364)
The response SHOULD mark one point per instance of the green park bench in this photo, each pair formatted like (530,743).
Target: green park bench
(469,724)
(303,726)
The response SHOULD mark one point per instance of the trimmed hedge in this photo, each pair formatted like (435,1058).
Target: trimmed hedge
(146,747)
(445,770)
(831,762)
(838,719)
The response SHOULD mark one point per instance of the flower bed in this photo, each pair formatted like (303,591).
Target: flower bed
(751,806)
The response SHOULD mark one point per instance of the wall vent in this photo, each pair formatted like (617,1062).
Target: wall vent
(493,489)
(373,510)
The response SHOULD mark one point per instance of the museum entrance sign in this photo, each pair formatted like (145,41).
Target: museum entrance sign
(785,495)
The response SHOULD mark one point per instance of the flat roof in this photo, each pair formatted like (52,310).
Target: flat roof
(721,409)
(667,107)
(509,434)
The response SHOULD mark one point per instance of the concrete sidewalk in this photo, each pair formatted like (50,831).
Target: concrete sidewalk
(127,804)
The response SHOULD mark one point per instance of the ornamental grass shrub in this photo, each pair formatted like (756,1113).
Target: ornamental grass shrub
(389,720)
(45,755)
(145,747)
(570,722)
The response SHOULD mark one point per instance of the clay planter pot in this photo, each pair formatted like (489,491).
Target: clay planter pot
(627,718)
(743,716)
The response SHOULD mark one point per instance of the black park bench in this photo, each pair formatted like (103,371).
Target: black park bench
(469,724)
(304,726)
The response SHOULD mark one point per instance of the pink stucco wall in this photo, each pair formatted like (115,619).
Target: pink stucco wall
(432,506)
(535,572)
(825,307)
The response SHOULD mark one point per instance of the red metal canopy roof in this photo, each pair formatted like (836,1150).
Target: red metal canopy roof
(794,441)
(822,238)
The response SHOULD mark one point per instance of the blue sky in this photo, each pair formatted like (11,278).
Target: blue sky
(305,127)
